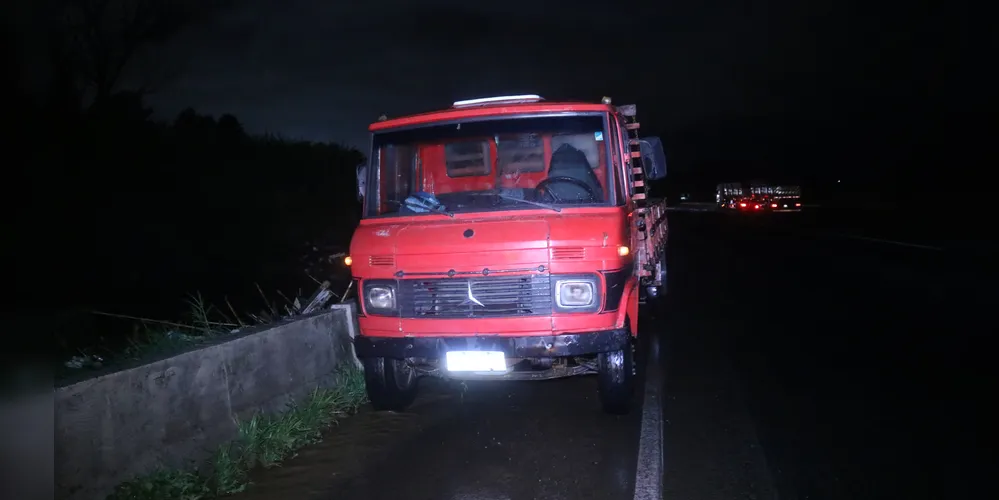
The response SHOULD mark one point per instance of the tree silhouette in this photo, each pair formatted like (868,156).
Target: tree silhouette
(229,129)
(100,39)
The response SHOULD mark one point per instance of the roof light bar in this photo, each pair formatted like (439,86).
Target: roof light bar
(500,99)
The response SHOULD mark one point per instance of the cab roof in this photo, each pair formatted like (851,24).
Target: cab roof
(491,106)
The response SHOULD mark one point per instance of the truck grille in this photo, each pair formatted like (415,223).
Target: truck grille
(499,296)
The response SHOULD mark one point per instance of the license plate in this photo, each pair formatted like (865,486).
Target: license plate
(476,361)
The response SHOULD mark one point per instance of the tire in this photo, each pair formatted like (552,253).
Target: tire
(616,379)
(391,384)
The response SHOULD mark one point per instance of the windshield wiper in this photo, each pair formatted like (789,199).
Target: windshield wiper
(529,202)
(442,211)
(514,198)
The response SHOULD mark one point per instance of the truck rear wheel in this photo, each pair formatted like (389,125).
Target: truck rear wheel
(391,383)
(616,379)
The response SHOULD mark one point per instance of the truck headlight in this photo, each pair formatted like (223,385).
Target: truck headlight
(379,297)
(575,294)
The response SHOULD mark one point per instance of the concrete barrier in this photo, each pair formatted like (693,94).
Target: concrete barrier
(26,445)
(178,410)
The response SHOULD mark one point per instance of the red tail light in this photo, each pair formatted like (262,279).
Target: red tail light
(756,207)
(773,205)
(743,205)
(797,204)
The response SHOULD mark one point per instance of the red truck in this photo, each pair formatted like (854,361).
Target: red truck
(506,238)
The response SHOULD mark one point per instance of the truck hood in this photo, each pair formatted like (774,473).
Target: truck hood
(471,236)
(438,245)
(463,245)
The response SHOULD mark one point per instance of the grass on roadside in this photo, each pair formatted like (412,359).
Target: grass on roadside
(158,337)
(263,441)
(153,337)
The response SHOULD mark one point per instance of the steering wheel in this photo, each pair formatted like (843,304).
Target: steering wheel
(543,187)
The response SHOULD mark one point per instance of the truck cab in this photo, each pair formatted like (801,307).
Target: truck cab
(502,239)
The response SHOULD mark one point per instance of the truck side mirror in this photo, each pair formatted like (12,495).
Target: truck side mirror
(362,176)
(653,158)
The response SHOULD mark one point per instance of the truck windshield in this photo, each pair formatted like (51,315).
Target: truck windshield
(487,165)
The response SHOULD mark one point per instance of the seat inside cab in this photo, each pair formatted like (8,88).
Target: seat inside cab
(517,162)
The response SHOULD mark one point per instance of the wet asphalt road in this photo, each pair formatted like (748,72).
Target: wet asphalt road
(791,361)
(484,441)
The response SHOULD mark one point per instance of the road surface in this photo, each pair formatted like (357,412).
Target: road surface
(791,360)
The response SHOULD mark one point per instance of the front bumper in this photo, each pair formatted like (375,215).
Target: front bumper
(547,346)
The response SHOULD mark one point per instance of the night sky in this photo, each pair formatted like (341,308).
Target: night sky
(710,75)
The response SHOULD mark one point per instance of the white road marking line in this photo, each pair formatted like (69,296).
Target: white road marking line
(890,242)
(649,470)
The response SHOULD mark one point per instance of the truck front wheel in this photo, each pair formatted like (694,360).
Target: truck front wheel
(391,383)
(616,376)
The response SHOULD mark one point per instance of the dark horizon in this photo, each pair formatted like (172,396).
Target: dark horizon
(693,70)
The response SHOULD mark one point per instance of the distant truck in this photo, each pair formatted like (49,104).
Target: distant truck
(778,198)
(758,197)
(729,194)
